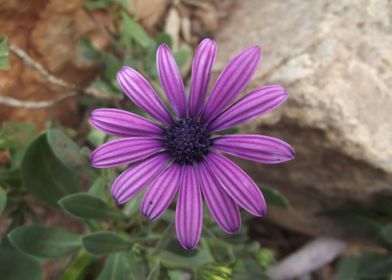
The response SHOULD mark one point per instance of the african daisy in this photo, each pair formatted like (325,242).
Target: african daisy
(179,151)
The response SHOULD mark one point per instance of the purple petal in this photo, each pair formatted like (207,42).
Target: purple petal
(161,192)
(142,94)
(233,79)
(171,80)
(124,151)
(124,124)
(258,148)
(189,211)
(222,207)
(237,184)
(254,104)
(137,177)
(201,72)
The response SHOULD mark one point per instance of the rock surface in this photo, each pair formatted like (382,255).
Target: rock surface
(335,60)
(48,31)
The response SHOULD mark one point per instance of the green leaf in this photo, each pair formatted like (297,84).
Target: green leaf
(372,266)
(52,168)
(355,219)
(174,256)
(105,242)
(96,137)
(248,268)
(386,234)
(122,266)
(4,62)
(16,266)
(154,271)
(112,65)
(66,151)
(96,4)
(45,242)
(176,274)
(221,251)
(98,189)
(163,38)
(215,271)
(183,56)
(365,266)
(86,206)
(3,199)
(275,198)
(15,137)
(134,31)
(132,207)
(88,50)
(348,268)
(77,268)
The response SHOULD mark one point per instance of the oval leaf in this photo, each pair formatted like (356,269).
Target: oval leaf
(134,31)
(122,266)
(104,243)
(16,266)
(86,206)
(46,176)
(4,61)
(3,199)
(43,241)
(275,198)
(174,256)
(66,151)
(386,234)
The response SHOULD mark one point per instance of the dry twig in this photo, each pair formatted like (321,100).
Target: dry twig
(72,88)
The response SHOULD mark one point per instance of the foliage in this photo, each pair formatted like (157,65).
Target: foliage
(4,62)
(129,246)
(373,222)
(106,241)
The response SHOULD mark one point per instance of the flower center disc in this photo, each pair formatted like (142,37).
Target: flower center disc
(187,140)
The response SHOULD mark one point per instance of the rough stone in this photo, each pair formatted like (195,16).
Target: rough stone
(48,31)
(335,60)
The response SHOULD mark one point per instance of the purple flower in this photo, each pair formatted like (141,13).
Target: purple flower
(180,153)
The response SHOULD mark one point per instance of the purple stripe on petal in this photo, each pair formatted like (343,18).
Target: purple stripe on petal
(258,148)
(201,72)
(237,184)
(171,80)
(124,124)
(161,192)
(232,81)
(134,179)
(124,151)
(189,211)
(142,94)
(224,210)
(254,104)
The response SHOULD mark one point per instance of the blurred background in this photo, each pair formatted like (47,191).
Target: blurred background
(330,214)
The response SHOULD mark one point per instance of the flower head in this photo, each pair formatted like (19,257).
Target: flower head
(179,153)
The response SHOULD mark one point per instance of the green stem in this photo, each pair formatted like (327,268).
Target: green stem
(164,239)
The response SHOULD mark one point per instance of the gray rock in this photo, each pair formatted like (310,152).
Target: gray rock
(335,59)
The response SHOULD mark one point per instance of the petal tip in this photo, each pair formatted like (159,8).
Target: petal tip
(233,229)
(293,154)
(189,246)
(256,49)
(147,212)
(124,70)
(208,41)
(163,46)
(92,159)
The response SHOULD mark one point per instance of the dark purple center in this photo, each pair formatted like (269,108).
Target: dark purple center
(187,140)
